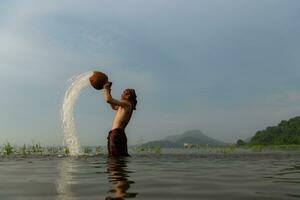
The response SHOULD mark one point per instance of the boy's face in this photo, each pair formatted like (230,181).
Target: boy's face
(125,95)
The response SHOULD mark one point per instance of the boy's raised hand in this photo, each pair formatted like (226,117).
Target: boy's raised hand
(107,85)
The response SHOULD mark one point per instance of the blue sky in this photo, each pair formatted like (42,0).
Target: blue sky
(228,68)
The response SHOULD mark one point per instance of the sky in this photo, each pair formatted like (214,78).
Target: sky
(228,68)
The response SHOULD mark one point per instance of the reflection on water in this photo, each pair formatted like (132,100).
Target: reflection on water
(65,169)
(76,177)
(118,176)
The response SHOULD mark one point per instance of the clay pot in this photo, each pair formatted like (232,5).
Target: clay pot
(98,79)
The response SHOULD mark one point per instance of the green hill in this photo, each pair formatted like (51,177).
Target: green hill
(194,137)
(286,132)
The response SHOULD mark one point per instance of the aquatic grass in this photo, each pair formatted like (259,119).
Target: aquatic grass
(147,149)
(66,151)
(214,149)
(139,149)
(157,150)
(36,149)
(87,150)
(33,149)
(286,147)
(25,150)
(53,150)
(261,148)
(8,149)
(98,150)
(228,149)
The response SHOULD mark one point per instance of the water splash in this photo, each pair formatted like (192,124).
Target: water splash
(67,111)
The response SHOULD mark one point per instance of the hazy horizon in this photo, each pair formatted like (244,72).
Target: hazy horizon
(227,68)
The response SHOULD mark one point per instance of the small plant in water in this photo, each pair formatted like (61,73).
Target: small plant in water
(36,148)
(52,150)
(229,149)
(8,149)
(66,150)
(157,150)
(140,148)
(23,150)
(98,150)
(87,150)
(257,148)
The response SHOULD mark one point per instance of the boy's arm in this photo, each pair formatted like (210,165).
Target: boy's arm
(113,102)
(106,96)
(114,107)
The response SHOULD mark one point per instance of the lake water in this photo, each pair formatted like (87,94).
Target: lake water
(151,176)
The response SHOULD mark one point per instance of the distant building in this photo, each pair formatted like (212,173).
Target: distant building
(188,145)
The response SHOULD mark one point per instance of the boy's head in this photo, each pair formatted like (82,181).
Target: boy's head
(129,94)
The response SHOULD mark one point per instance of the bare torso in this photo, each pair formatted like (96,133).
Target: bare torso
(122,117)
(124,108)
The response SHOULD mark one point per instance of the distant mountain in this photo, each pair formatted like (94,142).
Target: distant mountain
(286,132)
(195,137)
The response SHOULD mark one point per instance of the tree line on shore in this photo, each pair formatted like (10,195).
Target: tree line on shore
(287,132)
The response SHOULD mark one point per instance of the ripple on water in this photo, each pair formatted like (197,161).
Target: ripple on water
(152,177)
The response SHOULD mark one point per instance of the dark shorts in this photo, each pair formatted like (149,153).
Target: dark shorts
(117,143)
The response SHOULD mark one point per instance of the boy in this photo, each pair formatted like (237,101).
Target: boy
(117,140)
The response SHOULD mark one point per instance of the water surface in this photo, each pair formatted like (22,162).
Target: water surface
(165,176)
